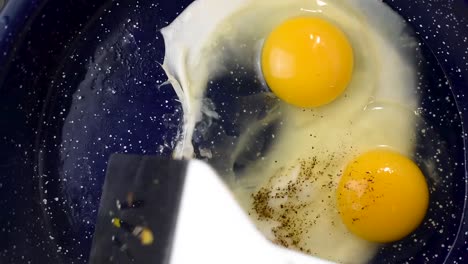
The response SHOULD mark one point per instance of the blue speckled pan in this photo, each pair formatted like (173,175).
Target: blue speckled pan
(79,81)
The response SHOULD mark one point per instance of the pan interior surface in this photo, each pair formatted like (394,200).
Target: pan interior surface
(84,81)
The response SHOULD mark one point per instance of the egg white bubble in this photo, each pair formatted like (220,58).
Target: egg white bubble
(309,147)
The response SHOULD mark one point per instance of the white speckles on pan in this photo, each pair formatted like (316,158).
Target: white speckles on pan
(102,101)
(443,28)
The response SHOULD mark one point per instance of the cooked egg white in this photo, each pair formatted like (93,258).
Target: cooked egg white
(291,195)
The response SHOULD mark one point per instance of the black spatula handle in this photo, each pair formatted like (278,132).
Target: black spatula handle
(138,210)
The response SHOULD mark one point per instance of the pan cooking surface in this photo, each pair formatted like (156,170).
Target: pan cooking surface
(83,81)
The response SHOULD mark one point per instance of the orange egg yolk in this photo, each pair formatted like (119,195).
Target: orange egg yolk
(307,61)
(382,196)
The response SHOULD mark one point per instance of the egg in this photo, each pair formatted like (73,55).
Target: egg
(382,196)
(329,104)
(307,61)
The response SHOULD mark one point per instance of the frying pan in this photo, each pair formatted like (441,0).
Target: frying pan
(80,80)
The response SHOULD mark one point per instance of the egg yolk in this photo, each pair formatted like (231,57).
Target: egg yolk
(382,196)
(307,61)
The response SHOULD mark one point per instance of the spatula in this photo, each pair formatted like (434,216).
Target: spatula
(160,211)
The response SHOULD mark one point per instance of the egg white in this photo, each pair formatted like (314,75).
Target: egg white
(377,109)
